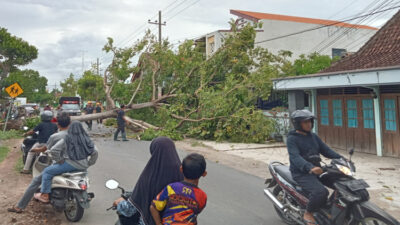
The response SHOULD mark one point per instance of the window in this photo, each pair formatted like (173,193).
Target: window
(368,113)
(324,112)
(337,113)
(352,121)
(390,114)
(338,52)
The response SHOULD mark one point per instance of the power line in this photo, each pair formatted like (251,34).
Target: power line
(170,18)
(319,27)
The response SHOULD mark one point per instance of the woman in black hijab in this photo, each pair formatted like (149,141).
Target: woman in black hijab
(161,170)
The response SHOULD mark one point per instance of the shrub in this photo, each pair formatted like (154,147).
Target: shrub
(110,122)
(32,122)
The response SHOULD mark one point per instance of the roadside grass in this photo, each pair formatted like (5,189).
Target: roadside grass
(3,152)
(9,134)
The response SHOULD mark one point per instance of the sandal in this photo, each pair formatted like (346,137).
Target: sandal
(14,210)
(39,197)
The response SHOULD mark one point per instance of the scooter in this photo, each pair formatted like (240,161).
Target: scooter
(112,185)
(348,204)
(68,190)
(27,145)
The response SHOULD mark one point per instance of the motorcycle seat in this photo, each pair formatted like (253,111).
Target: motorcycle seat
(81,173)
(284,172)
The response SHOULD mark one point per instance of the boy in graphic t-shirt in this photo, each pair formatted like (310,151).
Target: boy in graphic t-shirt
(180,203)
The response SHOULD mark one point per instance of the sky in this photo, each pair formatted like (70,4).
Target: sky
(67,31)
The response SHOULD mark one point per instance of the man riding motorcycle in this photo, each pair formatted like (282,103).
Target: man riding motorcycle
(303,143)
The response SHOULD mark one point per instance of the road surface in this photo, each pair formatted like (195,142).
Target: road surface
(234,197)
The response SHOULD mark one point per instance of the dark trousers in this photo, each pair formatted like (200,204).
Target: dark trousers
(315,190)
(89,124)
(99,121)
(123,134)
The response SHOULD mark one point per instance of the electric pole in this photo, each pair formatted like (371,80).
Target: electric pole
(159,23)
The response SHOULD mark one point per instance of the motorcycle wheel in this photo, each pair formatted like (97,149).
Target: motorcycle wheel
(278,193)
(73,211)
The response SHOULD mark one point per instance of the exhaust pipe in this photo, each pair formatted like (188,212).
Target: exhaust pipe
(273,199)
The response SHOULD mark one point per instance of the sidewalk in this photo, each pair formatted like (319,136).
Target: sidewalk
(381,173)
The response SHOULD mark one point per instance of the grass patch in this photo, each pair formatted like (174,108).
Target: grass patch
(3,152)
(9,134)
(19,165)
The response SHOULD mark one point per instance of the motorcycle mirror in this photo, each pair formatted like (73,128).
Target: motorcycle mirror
(112,184)
(351,152)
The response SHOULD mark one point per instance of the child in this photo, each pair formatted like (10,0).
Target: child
(181,202)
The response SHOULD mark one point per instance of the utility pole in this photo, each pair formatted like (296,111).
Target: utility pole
(159,23)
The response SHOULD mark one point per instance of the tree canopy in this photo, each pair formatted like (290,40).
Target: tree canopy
(69,86)
(90,87)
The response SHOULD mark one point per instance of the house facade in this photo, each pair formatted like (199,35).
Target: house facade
(333,40)
(356,100)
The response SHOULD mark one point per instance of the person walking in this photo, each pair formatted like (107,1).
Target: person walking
(121,124)
(98,110)
(89,110)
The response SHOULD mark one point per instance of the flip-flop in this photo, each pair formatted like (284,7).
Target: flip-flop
(38,196)
(14,210)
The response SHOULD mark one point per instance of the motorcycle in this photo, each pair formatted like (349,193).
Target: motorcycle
(27,145)
(112,185)
(348,204)
(68,190)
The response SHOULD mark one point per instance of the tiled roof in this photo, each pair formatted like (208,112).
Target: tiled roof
(382,50)
(255,16)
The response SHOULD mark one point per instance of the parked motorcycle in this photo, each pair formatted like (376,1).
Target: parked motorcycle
(348,204)
(27,145)
(112,185)
(68,190)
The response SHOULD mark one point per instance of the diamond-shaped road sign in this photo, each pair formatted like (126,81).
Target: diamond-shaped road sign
(14,90)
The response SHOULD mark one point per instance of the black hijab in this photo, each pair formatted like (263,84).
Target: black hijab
(79,145)
(161,170)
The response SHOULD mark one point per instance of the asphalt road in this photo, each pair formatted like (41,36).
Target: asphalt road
(234,197)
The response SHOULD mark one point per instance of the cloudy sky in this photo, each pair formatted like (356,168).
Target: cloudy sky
(64,30)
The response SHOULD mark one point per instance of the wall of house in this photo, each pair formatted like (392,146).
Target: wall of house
(214,41)
(306,43)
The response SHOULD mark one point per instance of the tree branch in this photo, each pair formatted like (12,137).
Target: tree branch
(136,91)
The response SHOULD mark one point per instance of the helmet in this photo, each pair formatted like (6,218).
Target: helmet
(299,116)
(89,102)
(46,116)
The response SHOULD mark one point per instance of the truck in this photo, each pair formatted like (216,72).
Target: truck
(70,105)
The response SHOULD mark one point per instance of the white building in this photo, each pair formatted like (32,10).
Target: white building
(297,34)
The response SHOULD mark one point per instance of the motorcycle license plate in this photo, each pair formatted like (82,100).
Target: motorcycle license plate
(355,185)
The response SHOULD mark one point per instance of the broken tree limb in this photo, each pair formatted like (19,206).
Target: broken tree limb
(140,123)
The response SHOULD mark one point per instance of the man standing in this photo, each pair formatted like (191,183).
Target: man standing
(121,124)
(89,110)
(98,110)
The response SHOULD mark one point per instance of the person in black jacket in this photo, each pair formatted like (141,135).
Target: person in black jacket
(303,143)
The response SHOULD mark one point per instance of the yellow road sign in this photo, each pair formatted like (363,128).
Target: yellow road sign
(14,90)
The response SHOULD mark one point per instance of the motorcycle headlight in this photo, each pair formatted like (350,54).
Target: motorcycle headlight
(345,170)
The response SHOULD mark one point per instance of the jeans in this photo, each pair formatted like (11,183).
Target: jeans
(123,133)
(50,172)
(29,192)
(316,191)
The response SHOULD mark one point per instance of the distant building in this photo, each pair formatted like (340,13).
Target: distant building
(357,99)
(333,40)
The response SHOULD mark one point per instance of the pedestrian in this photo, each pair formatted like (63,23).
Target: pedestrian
(47,108)
(89,110)
(181,202)
(121,124)
(63,121)
(163,168)
(98,110)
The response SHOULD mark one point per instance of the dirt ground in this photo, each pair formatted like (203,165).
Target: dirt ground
(381,173)
(12,186)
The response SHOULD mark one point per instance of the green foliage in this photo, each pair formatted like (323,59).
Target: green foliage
(310,64)
(3,152)
(14,52)
(90,87)
(32,83)
(9,134)
(69,86)
(32,122)
(110,122)
(150,134)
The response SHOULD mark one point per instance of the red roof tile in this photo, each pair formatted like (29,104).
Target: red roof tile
(382,50)
(255,16)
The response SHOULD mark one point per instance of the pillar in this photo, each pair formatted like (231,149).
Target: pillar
(378,123)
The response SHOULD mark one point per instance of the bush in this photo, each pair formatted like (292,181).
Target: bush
(32,122)
(9,134)
(110,122)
